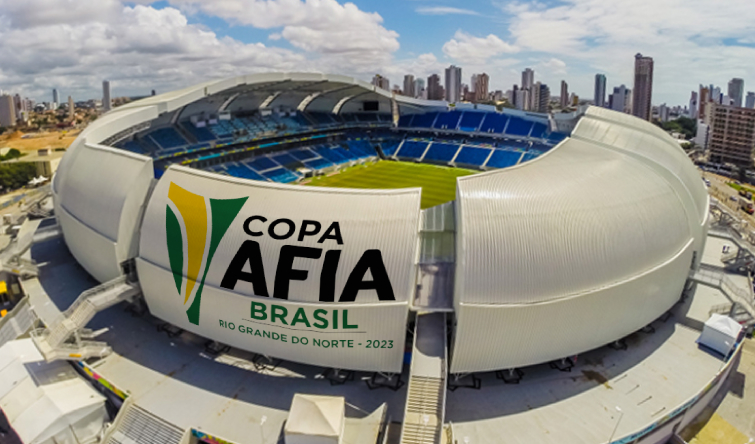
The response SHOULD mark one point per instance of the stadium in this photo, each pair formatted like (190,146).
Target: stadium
(305,257)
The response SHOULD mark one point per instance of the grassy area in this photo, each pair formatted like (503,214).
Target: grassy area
(739,187)
(438,183)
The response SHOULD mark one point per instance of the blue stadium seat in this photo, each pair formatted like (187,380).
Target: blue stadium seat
(529,156)
(287,160)
(538,129)
(518,126)
(441,152)
(503,158)
(331,155)
(472,155)
(556,137)
(168,138)
(262,163)
(389,147)
(303,154)
(322,118)
(412,149)
(405,120)
(448,120)
(348,155)
(471,120)
(243,172)
(350,117)
(424,120)
(318,164)
(362,147)
(201,134)
(494,123)
(513,144)
(280,175)
(134,147)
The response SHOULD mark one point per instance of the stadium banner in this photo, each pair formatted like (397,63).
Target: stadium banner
(314,275)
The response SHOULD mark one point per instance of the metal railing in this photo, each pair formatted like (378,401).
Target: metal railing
(17,322)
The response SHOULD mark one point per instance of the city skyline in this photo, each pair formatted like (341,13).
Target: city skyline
(168,45)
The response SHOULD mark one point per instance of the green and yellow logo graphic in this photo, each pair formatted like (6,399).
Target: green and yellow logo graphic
(188,247)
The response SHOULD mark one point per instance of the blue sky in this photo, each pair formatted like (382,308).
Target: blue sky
(73,45)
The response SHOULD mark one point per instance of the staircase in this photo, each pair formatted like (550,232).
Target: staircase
(134,425)
(54,341)
(426,395)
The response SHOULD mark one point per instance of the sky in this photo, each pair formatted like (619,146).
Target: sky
(73,45)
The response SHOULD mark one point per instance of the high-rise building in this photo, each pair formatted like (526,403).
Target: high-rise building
(107,103)
(564,99)
(7,111)
(621,99)
(542,98)
(55,98)
(750,100)
(381,82)
(528,78)
(514,93)
(528,83)
(731,134)
(453,84)
(663,112)
(481,87)
(409,85)
(643,87)
(600,90)
(693,105)
(715,94)
(736,91)
(434,90)
(419,89)
(702,100)
(523,99)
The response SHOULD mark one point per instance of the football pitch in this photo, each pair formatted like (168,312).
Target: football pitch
(438,183)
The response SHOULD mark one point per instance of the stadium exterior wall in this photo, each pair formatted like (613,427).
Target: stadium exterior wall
(217,253)
(575,249)
(100,206)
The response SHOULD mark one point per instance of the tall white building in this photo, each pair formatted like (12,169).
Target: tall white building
(419,89)
(621,99)
(528,83)
(453,84)
(750,100)
(564,99)
(409,86)
(736,91)
(7,111)
(107,102)
(55,99)
(600,90)
(693,105)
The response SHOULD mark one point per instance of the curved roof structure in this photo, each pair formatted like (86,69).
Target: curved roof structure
(594,239)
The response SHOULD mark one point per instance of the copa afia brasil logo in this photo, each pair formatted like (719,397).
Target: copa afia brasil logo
(190,218)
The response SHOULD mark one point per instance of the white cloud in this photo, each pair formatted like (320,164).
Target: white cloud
(337,31)
(685,37)
(445,10)
(470,49)
(553,66)
(139,48)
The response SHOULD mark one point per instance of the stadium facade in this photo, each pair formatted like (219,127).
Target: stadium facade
(594,239)
(576,231)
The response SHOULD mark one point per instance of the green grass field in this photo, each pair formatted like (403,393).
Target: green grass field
(438,183)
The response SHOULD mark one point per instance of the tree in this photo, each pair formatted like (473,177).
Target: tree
(16,175)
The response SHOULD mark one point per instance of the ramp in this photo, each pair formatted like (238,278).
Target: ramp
(53,341)
(426,394)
